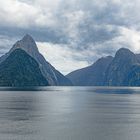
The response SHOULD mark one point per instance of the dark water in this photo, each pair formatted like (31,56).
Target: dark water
(70,113)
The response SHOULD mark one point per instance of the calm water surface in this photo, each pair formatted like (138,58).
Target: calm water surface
(70,113)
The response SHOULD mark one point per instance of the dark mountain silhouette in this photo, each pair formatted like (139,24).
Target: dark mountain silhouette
(19,70)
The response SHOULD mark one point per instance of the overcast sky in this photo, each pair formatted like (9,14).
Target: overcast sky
(71,34)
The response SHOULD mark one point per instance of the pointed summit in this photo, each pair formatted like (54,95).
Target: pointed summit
(28,38)
(27,44)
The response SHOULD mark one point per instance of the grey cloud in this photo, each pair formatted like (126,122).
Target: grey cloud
(89,27)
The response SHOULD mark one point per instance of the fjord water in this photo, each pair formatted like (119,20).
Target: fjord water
(70,113)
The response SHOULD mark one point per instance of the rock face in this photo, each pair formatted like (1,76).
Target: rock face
(133,76)
(54,77)
(19,70)
(119,67)
(122,70)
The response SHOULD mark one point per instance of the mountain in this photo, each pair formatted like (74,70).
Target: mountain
(133,76)
(119,67)
(19,69)
(92,75)
(54,77)
(121,70)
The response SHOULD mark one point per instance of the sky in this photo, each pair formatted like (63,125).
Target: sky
(71,34)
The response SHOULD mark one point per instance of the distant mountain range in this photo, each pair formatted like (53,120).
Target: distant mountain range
(121,70)
(23,65)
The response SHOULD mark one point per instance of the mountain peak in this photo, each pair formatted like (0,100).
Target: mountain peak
(28,37)
(27,44)
(123,52)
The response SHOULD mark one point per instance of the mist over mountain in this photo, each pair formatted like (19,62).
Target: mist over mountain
(121,70)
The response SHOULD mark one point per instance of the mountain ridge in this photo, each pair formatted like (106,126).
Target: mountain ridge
(116,72)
